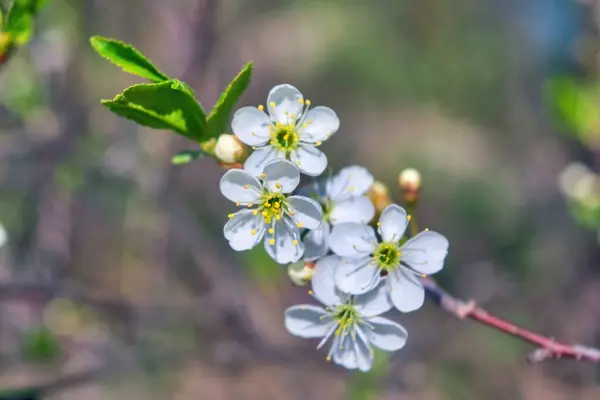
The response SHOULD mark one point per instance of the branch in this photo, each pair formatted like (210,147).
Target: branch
(548,348)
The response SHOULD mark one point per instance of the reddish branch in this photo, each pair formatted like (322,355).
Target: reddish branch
(548,348)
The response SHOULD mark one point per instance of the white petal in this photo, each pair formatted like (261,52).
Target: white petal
(386,334)
(323,284)
(259,158)
(309,159)
(352,240)
(281,176)
(355,209)
(284,101)
(251,126)
(406,291)
(233,186)
(321,122)
(393,223)
(364,355)
(425,252)
(374,302)
(287,247)
(316,242)
(345,354)
(307,321)
(356,276)
(306,211)
(244,230)
(350,181)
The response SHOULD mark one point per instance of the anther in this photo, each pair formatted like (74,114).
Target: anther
(318,143)
(295,242)
(300,100)
(255,212)
(272,104)
(246,186)
(263,175)
(299,225)
(261,107)
(237,203)
(278,185)
(272,242)
(276,205)
(307,102)
(253,232)
(230,215)
(409,217)
(271,231)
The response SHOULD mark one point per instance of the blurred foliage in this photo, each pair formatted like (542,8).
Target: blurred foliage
(39,344)
(366,386)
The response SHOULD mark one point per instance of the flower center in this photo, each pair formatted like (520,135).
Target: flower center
(284,137)
(346,316)
(272,206)
(387,256)
(327,206)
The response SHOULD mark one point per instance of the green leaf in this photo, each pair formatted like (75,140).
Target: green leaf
(127,57)
(165,105)
(187,156)
(575,105)
(221,112)
(19,23)
(40,344)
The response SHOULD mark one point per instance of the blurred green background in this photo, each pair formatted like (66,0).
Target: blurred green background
(132,291)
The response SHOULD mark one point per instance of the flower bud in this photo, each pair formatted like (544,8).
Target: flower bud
(379,196)
(229,149)
(410,180)
(410,183)
(301,273)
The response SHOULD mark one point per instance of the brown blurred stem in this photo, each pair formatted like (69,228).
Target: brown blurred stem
(547,347)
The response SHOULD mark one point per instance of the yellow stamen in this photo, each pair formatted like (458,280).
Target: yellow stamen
(378,223)
(318,143)
(255,212)
(253,232)
(272,242)
(278,217)
(246,186)
(299,225)
(409,217)
(272,104)
(300,101)
(230,215)
(261,107)
(277,205)
(307,102)
(268,205)
(237,203)
(295,242)
(263,176)
(271,231)
(278,185)
(351,189)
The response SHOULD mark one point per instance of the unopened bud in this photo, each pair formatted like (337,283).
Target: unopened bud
(379,196)
(229,149)
(301,273)
(410,180)
(410,183)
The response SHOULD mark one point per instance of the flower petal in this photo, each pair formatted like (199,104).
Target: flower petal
(406,291)
(350,181)
(284,101)
(319,124)
(307,212)
(352,240)
(393,223)
(386,334)
(376,301)
(364,355)
(251,126)
(316,242)
(256,162)
(307,321)
(345,354)
(284,246)
(425,253)
(310,160)
(323,283)
(244,230)
(233,186)
(355,209)
(281,176)
(356,276)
